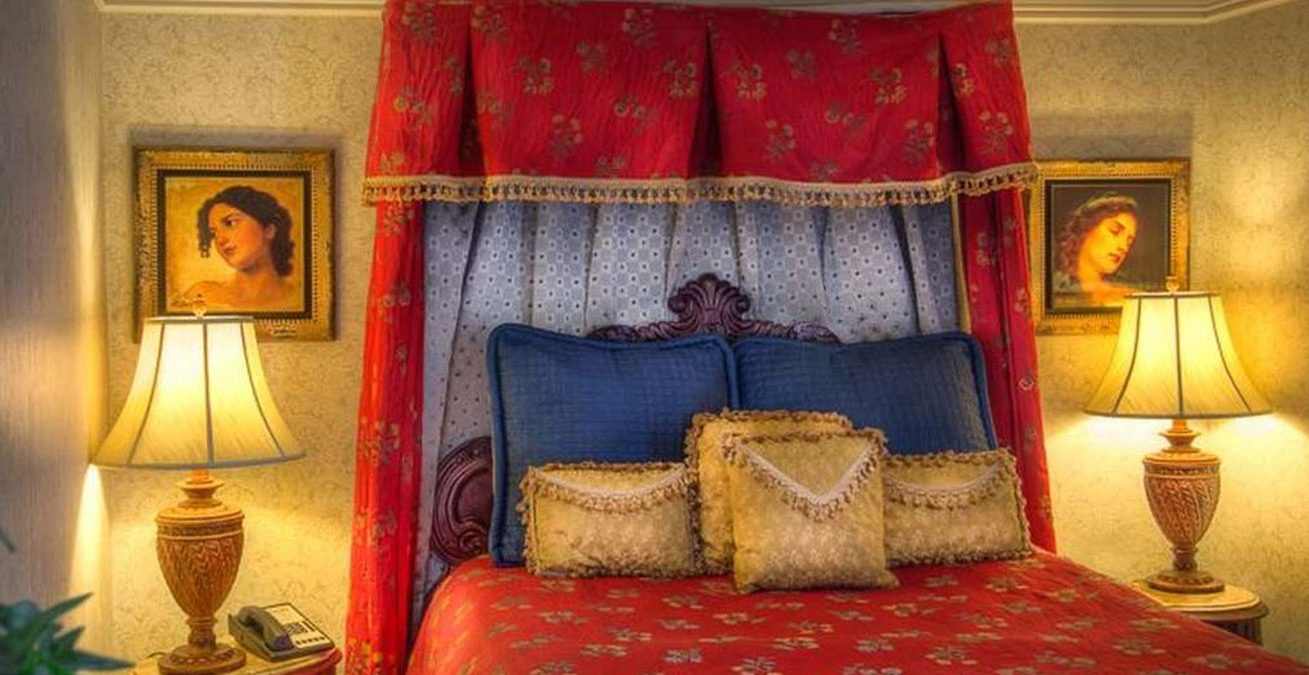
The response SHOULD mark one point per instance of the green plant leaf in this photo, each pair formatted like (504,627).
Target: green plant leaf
(23,629)
(20,614)
(31,642)
(51,665)
(64,645)
(89,661)
(60,608)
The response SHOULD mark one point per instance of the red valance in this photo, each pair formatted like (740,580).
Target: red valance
(615,102)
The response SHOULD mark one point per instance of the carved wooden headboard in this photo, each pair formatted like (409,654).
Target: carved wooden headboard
(462,512)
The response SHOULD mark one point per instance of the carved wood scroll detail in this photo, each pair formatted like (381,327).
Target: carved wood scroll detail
(710,305)
(462,504)
(462,507)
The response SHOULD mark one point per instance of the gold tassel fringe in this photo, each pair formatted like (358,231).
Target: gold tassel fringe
(679,191)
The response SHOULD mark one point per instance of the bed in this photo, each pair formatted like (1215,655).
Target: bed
(1036,614)
(1042,614)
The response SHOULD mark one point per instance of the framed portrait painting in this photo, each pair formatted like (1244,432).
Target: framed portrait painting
(1103,230)
(237,232)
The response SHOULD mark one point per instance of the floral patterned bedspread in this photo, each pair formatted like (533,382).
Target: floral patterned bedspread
(1039,615)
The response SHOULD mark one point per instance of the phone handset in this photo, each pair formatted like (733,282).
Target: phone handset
(270,632)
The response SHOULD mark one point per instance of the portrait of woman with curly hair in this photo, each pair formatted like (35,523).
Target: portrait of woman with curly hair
(251,232)
(237,232)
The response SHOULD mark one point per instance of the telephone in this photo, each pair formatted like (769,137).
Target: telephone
(276,632)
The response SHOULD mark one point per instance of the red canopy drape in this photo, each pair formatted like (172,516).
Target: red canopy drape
(624,102)
(609,102)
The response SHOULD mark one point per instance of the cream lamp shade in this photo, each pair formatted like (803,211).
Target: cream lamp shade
(199,400)
(1175,359)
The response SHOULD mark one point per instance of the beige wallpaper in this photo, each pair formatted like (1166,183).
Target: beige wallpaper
(1095,92)
(1234,98)
(51,308)
(228,81)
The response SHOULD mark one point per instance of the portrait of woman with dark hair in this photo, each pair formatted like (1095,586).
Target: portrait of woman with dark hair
(1100,231)
(251,231)
(1092,245)
(237,232)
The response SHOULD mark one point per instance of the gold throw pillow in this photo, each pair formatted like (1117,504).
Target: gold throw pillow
(807,510)
(589,519)
(953,507)
(704,452)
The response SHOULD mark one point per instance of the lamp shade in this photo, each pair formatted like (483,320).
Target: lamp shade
(199,400)
(1175,359)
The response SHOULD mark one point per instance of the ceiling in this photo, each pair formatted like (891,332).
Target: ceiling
(1026,11)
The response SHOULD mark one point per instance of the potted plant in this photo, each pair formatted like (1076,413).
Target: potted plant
(32,641)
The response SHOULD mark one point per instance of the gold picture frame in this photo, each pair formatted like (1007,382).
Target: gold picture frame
(1101,230)
(237,232)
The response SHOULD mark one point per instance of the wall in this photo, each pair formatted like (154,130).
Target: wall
(227,81)
(1234,97)
(51,304)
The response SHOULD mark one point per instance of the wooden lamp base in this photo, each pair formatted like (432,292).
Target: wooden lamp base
(199,545)
(1182,485)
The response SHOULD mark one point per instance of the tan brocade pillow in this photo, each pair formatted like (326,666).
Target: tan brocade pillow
(589,519)
(807,510)
(704,451)
(951,507)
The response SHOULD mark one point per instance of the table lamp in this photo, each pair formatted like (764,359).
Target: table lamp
(199,401)
(1174,360)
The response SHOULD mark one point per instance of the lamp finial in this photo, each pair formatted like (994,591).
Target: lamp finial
(1172,284)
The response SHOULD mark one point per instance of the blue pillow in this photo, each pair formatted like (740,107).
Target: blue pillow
(559,398)
(927,393)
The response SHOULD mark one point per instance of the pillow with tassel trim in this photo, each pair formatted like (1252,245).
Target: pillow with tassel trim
(588,519)
(704,454)
(953,507)
(807,510)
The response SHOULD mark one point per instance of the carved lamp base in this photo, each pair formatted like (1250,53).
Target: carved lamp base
(1182,486)
(199,545)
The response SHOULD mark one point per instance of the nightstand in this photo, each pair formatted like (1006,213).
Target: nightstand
(321,663)
(1236,610)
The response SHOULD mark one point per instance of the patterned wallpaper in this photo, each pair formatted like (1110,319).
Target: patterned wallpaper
(1233,97)
(1094,92)
(225,81)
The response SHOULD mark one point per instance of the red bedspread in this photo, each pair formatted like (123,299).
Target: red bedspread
(1040,615)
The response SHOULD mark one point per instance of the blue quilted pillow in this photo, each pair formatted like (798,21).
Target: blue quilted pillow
(559,398)
(927,393)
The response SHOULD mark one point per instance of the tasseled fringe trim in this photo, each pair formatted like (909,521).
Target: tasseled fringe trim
(538,482)
(952,497)
(734,443)
(814,506)
(964,557)
(442,188)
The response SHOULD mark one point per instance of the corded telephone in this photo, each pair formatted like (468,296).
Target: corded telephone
(276,632)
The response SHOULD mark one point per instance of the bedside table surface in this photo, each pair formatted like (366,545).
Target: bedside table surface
(1259,611)
(312,664)
(1236,610)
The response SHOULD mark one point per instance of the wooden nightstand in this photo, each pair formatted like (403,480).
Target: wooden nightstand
(1236,610)
(322,663)
(1242,622)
